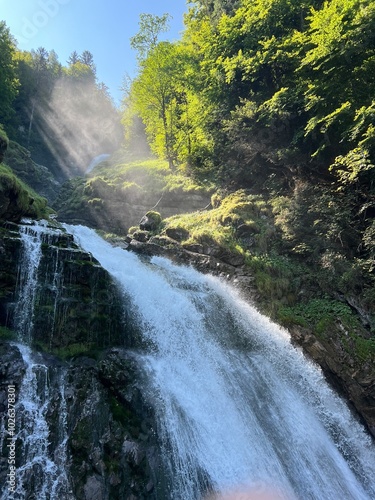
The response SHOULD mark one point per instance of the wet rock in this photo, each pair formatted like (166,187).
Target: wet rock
(93,489)
(194,247)
(12,370)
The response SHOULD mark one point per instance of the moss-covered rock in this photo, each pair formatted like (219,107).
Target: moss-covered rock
(18,200)
(38,177)
(150,221)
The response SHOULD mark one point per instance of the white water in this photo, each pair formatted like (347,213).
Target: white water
(38,468)
(236,404)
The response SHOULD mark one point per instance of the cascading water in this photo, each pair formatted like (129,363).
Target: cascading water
(236,404)
(40,471)
(31,253)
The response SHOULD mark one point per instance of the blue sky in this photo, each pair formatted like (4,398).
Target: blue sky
(103,28)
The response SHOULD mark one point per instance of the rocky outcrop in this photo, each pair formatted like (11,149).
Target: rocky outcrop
(76,305)
(112,439)
(355,381)
(34,175)
(115,211)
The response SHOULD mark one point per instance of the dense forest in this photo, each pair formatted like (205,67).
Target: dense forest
(268,104)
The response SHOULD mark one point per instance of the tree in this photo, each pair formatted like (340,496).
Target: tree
(88,59)
(152,94)
(73,58)
(150,27)
(8,79)
(338,70)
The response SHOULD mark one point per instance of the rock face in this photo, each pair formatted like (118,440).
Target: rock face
(108,438)
(355,383)
(36,176)
(112,440)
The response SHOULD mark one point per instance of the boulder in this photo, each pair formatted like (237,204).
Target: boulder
(150,221)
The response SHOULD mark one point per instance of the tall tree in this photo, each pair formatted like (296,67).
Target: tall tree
(152,95)
(150,28)
(73,58)
(88,59)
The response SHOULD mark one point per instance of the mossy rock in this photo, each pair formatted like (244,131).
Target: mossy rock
(18,200)
(150,221)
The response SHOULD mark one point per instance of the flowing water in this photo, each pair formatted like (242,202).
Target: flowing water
(236,403)
(41,471)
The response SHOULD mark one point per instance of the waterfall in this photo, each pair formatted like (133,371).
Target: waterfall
(32,238)
(41,470)
(236,404)
(95,161)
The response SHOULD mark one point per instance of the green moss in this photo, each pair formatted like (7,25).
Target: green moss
(365,348)
(322,316)
(70,351)
(26,201)
(218,225)
(7,334)
(119,412)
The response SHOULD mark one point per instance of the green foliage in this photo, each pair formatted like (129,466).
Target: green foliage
(8,78)
(150,27)
(329,319)
(353,169)
(217,227)
(3,136)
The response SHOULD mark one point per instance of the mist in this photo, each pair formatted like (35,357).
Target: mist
(77,123)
